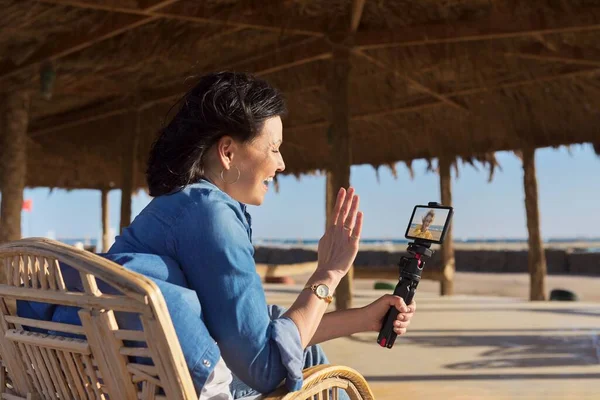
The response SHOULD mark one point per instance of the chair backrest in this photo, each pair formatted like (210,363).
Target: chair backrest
(97,364)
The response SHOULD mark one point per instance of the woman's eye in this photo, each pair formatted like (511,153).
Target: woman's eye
(275,151)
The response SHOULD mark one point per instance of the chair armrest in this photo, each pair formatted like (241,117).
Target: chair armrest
(321,379)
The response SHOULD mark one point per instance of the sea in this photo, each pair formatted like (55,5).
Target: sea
(436,228)
(589,245)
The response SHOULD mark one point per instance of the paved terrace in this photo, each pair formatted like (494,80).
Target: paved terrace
(476,347)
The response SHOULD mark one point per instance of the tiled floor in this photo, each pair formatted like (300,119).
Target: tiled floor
(474,347)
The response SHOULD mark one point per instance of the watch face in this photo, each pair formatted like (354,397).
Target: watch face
(322,291)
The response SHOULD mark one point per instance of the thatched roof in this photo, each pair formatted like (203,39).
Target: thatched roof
(428,78)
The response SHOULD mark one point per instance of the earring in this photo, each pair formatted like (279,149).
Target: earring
(236,179)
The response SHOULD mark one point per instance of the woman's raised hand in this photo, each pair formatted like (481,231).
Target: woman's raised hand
(339,245)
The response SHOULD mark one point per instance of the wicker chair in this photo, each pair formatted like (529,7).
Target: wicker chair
(44,366)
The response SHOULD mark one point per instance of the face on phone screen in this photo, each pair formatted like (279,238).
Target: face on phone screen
(428,223)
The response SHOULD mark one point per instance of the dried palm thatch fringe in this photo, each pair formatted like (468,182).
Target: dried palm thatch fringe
(488,160)
(411,172)
(391,167)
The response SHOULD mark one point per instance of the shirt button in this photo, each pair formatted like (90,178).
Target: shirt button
(206,363)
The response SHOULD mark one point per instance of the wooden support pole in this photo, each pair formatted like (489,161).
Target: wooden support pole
(339,141)
(129,171)
(536,256)
(14,118)
(330,196)
(105,221)
(339,170)
(448,261)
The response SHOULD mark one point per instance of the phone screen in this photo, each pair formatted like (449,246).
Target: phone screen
(429,223)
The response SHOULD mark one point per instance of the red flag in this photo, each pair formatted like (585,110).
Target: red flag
(27,205)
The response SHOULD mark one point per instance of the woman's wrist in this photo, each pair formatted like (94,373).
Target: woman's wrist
(366,318)
(329,278)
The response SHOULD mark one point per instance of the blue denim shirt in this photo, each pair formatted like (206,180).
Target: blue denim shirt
(208,234)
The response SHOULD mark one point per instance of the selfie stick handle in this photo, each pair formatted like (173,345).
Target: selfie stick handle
(406,287)
(410,274)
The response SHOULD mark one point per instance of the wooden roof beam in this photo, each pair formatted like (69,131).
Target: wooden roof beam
(107,109)
(357,12)
(554,57)
(293,55)
(480,90)
(179,13)
(111,88)
(454,94)
(154,5)
(525,82)
(497,26)
(113,25)
(368,116)
(410,80)
(396,110)
(52,124)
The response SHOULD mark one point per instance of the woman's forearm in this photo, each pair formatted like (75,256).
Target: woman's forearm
(308,310)
(338,324)
(336,252)
(316,326)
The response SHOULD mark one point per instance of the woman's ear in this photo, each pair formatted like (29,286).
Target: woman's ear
(225,150)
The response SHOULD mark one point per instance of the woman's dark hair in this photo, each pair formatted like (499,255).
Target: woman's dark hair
(224,103)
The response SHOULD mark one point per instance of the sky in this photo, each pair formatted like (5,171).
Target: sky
(568,188)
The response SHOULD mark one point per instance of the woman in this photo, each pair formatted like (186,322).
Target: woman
(217,155)
(422,231)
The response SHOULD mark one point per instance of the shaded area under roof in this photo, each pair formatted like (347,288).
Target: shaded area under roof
(428,79)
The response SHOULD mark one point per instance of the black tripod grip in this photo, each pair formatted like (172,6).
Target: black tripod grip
(387,336)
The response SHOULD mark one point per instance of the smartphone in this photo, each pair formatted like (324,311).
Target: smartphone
(429,223)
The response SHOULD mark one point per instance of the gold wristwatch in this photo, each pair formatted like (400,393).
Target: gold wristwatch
(321,290)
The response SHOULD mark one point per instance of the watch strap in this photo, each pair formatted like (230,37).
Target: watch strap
(313,288)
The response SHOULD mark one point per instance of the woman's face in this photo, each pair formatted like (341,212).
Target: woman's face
(427,221)
(258,162)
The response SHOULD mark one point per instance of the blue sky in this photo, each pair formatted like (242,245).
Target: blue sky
(568,184)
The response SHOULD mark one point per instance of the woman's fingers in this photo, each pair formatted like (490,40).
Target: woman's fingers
(345,212)
(357,227)
(351,219)
(339,202)
(402,307)
(336,252)
(413,307)
(401,324)
(345,208)
(406,313)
